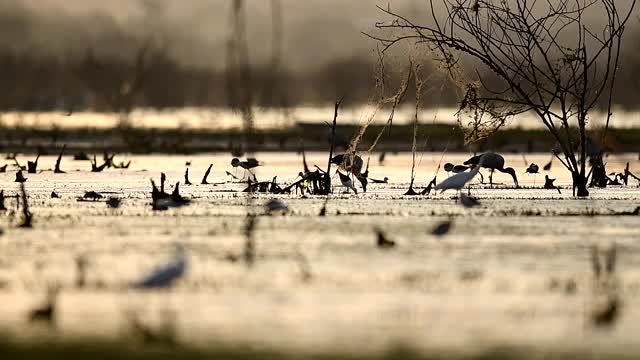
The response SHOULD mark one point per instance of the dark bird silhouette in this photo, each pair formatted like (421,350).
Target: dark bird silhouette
(493,161)
(548,184)
(382,242)
(247,165)
(32,166)
(442,228)
(206,175)
(186,177)
(547,167)
(383,181)
(533,169)
(57,169)
(55,195)
(19,177)
(449,167)
(113,202)
(347,182)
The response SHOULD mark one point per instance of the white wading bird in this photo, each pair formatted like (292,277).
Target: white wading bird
(165,276)
(458,181)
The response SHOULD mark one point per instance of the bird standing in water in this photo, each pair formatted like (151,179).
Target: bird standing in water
(247,165)
(493,161)
(458,181)
(347,182)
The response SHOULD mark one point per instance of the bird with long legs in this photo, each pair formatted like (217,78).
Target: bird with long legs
(493,161)
(458,181)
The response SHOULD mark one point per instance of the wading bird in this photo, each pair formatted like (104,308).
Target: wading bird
(456,169)
(167,275)
(347,182)
(247,165)
(458,181)
(492,161)
(383,181)
(533,169)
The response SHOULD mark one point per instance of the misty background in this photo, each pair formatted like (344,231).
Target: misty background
(106,55)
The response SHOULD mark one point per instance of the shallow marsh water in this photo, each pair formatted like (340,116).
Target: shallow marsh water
(514,271)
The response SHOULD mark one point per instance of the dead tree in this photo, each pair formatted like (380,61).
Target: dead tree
(528,56)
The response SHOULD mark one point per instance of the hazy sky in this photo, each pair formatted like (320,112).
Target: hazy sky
(315,31)
(195,31)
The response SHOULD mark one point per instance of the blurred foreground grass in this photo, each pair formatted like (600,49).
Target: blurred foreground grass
(97,350)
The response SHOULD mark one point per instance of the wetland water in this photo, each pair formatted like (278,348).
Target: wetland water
(514,271)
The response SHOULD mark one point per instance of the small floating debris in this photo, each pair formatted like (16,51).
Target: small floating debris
(91,196)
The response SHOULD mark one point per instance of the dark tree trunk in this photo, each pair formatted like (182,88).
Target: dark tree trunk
(580,185)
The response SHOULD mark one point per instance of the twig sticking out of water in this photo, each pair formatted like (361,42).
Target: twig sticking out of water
(19,177)
(429,187)
(27,216)
(305,267)
(81,271)
(326,184)
(57,169)
(206,175)
(323,211)
(2,206)
(606,303)
(186,177)
(249,245)
(32,166)
(95,167)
